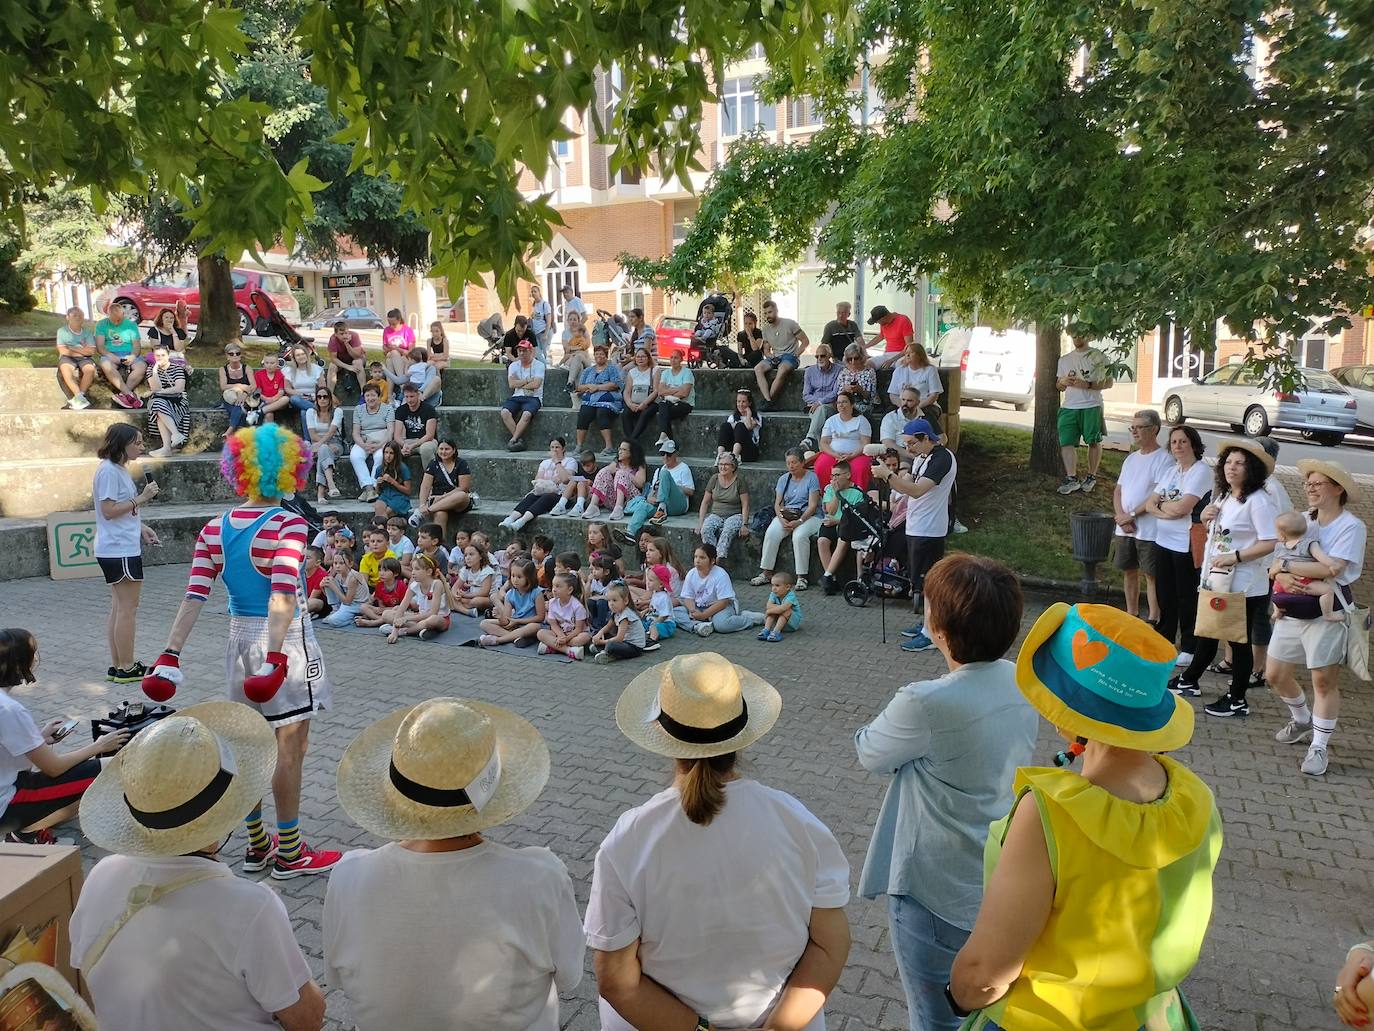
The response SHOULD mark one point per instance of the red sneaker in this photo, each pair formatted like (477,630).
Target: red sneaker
(255,861)
(308,862)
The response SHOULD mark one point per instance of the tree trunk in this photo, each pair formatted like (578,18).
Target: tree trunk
(219,315)
(1044,456)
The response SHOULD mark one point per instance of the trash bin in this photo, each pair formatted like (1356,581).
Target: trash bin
(1091,533)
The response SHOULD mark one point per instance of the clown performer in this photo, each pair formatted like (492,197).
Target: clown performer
(273,662)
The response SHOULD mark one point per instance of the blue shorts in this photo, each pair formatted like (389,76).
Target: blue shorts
(780,359)
(518,406)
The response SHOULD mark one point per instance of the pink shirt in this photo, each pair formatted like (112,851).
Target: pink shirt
(563,618)
(400,338)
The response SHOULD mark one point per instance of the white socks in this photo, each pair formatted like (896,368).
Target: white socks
(1299,710)
(1322,729)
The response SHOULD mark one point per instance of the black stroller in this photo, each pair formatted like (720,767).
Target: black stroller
(714,352)
(877,549)
(270,322)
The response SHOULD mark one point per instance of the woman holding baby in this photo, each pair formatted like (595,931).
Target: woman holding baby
(1301,634)
(1240,539)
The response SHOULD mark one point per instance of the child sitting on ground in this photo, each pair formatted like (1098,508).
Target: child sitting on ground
(599,543)
(570,562)
(315,575)
(429,542)
(346,591)
(541,551)
(398,543)
(332,523)
(659,623)
(504,558)
(474,583)
(623,636)
(783,611)
(517,612)
(390,597)
(429,603)
(461,539)
(565,620)
(599,579)
(1298,542)
(377,552)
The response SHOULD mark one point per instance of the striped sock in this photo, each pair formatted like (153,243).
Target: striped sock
(1322,729)
(258,840)
(1297,707)
(289,839)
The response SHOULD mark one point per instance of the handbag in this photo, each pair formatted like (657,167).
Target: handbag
(1221,614)
(1357,636)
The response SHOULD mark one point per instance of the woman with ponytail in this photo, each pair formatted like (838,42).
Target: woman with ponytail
(682,923)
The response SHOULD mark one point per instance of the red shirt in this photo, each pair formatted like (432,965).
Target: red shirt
(388,599)
(270,384)
(354,346)
(313,582)
(896,331)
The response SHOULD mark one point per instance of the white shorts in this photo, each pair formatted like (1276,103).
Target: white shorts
(306,689)
(1312,643)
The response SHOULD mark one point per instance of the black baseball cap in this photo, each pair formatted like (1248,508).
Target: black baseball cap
(878,313)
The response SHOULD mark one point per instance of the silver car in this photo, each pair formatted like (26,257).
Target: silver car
(1359,380)
(1321,409)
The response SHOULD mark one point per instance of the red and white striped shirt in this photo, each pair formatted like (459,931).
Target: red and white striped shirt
(278,551)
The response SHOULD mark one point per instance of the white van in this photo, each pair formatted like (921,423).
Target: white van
(1001,367)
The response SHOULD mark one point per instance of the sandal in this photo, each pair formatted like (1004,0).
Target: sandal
(1220,666)
(334,492)
(760,580)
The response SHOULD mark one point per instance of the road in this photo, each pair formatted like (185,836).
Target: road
(1356,453)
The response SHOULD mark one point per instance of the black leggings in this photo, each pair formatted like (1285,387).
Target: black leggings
(636,423)
(538,504)
(1242,655)
(623,650)
(1176,581)
(668,412)
(603,417)
(737,433)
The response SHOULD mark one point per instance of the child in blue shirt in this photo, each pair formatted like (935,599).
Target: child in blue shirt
(783,611)
(519,613)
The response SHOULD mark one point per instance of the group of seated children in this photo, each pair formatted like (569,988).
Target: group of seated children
(526,595)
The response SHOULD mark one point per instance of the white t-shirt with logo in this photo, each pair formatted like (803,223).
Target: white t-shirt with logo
(1139,474)
(721,911)
(121,537)
(19,735)
(1090,364)
(1173,484)
(1237,526)
(485,937)
(928,515)
(216,954)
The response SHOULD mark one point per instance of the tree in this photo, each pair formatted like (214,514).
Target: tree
(1117,164)
(449,100)
(67,239)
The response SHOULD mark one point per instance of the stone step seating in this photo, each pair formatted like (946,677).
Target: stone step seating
(47,462)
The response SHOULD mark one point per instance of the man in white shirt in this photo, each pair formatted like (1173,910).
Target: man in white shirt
(1082,376)
(207,949)
(525,377)
(441,928)
(571,303)
(1135,534)
(890,433)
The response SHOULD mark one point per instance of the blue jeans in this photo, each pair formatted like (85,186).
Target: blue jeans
(925,947)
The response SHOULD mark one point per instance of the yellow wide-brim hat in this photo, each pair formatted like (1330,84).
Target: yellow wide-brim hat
(1095,672)
(1250,447)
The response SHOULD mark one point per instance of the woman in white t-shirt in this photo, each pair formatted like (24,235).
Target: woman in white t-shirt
(1316,643)
(39,786)
(324,430)
(1240,539)
(708,598)
(119,539)
(718,899)
(913,369)
(300,375)
(843,439)
(1177,493)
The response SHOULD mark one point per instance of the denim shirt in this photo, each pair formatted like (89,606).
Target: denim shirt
(953,745)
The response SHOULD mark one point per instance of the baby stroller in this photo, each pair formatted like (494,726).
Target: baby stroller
(491,331)
(270,322)
(612,331)
(876,546)
(713,351)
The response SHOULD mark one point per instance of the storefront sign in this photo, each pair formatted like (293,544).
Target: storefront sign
(347,280)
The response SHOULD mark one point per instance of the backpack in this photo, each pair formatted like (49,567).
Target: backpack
(760,520)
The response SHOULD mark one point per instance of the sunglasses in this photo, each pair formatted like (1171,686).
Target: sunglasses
(232,354)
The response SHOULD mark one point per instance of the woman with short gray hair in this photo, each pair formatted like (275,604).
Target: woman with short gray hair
(724,512)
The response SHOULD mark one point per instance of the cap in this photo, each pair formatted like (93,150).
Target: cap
(524,343)
(919,426)
(668,447)
(878,313)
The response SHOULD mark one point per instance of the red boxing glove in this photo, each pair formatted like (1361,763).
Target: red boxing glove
(164,679)
(263,684)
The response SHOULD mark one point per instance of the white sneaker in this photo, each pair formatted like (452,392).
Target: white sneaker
(559,508)
(385,628)
(703,629)
(1184,659)
(661,438)
(80,402)
(507,523)
(1315,763)
(960,527)
(1293,733)
(591,512)
(576,512)
(617,514)
(543,648)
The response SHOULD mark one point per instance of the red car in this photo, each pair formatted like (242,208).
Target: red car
(142,301)
(673,333)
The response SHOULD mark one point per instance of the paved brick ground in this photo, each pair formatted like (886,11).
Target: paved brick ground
(1293,886)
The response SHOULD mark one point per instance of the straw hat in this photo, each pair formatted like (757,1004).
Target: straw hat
(1095,672)
(696,706)
(1250,446)
(183,783)
(1333,472)
(441,769)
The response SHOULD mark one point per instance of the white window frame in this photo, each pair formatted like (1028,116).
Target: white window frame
(733,94)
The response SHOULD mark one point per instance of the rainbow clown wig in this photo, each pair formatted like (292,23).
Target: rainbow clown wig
(265,461)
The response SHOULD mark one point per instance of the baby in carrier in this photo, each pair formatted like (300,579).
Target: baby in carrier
(1298,543)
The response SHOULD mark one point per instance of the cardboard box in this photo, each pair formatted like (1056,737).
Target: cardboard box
(38,884)
(71,545)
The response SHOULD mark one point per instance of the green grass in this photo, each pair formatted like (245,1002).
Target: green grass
(29,325)
(201,357)
(1014,515)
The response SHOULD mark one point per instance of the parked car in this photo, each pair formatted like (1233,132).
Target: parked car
(950,350)
(142,301)
(674,333)
(1321,409)
(357,318)
(1000,367)
(1359,380)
